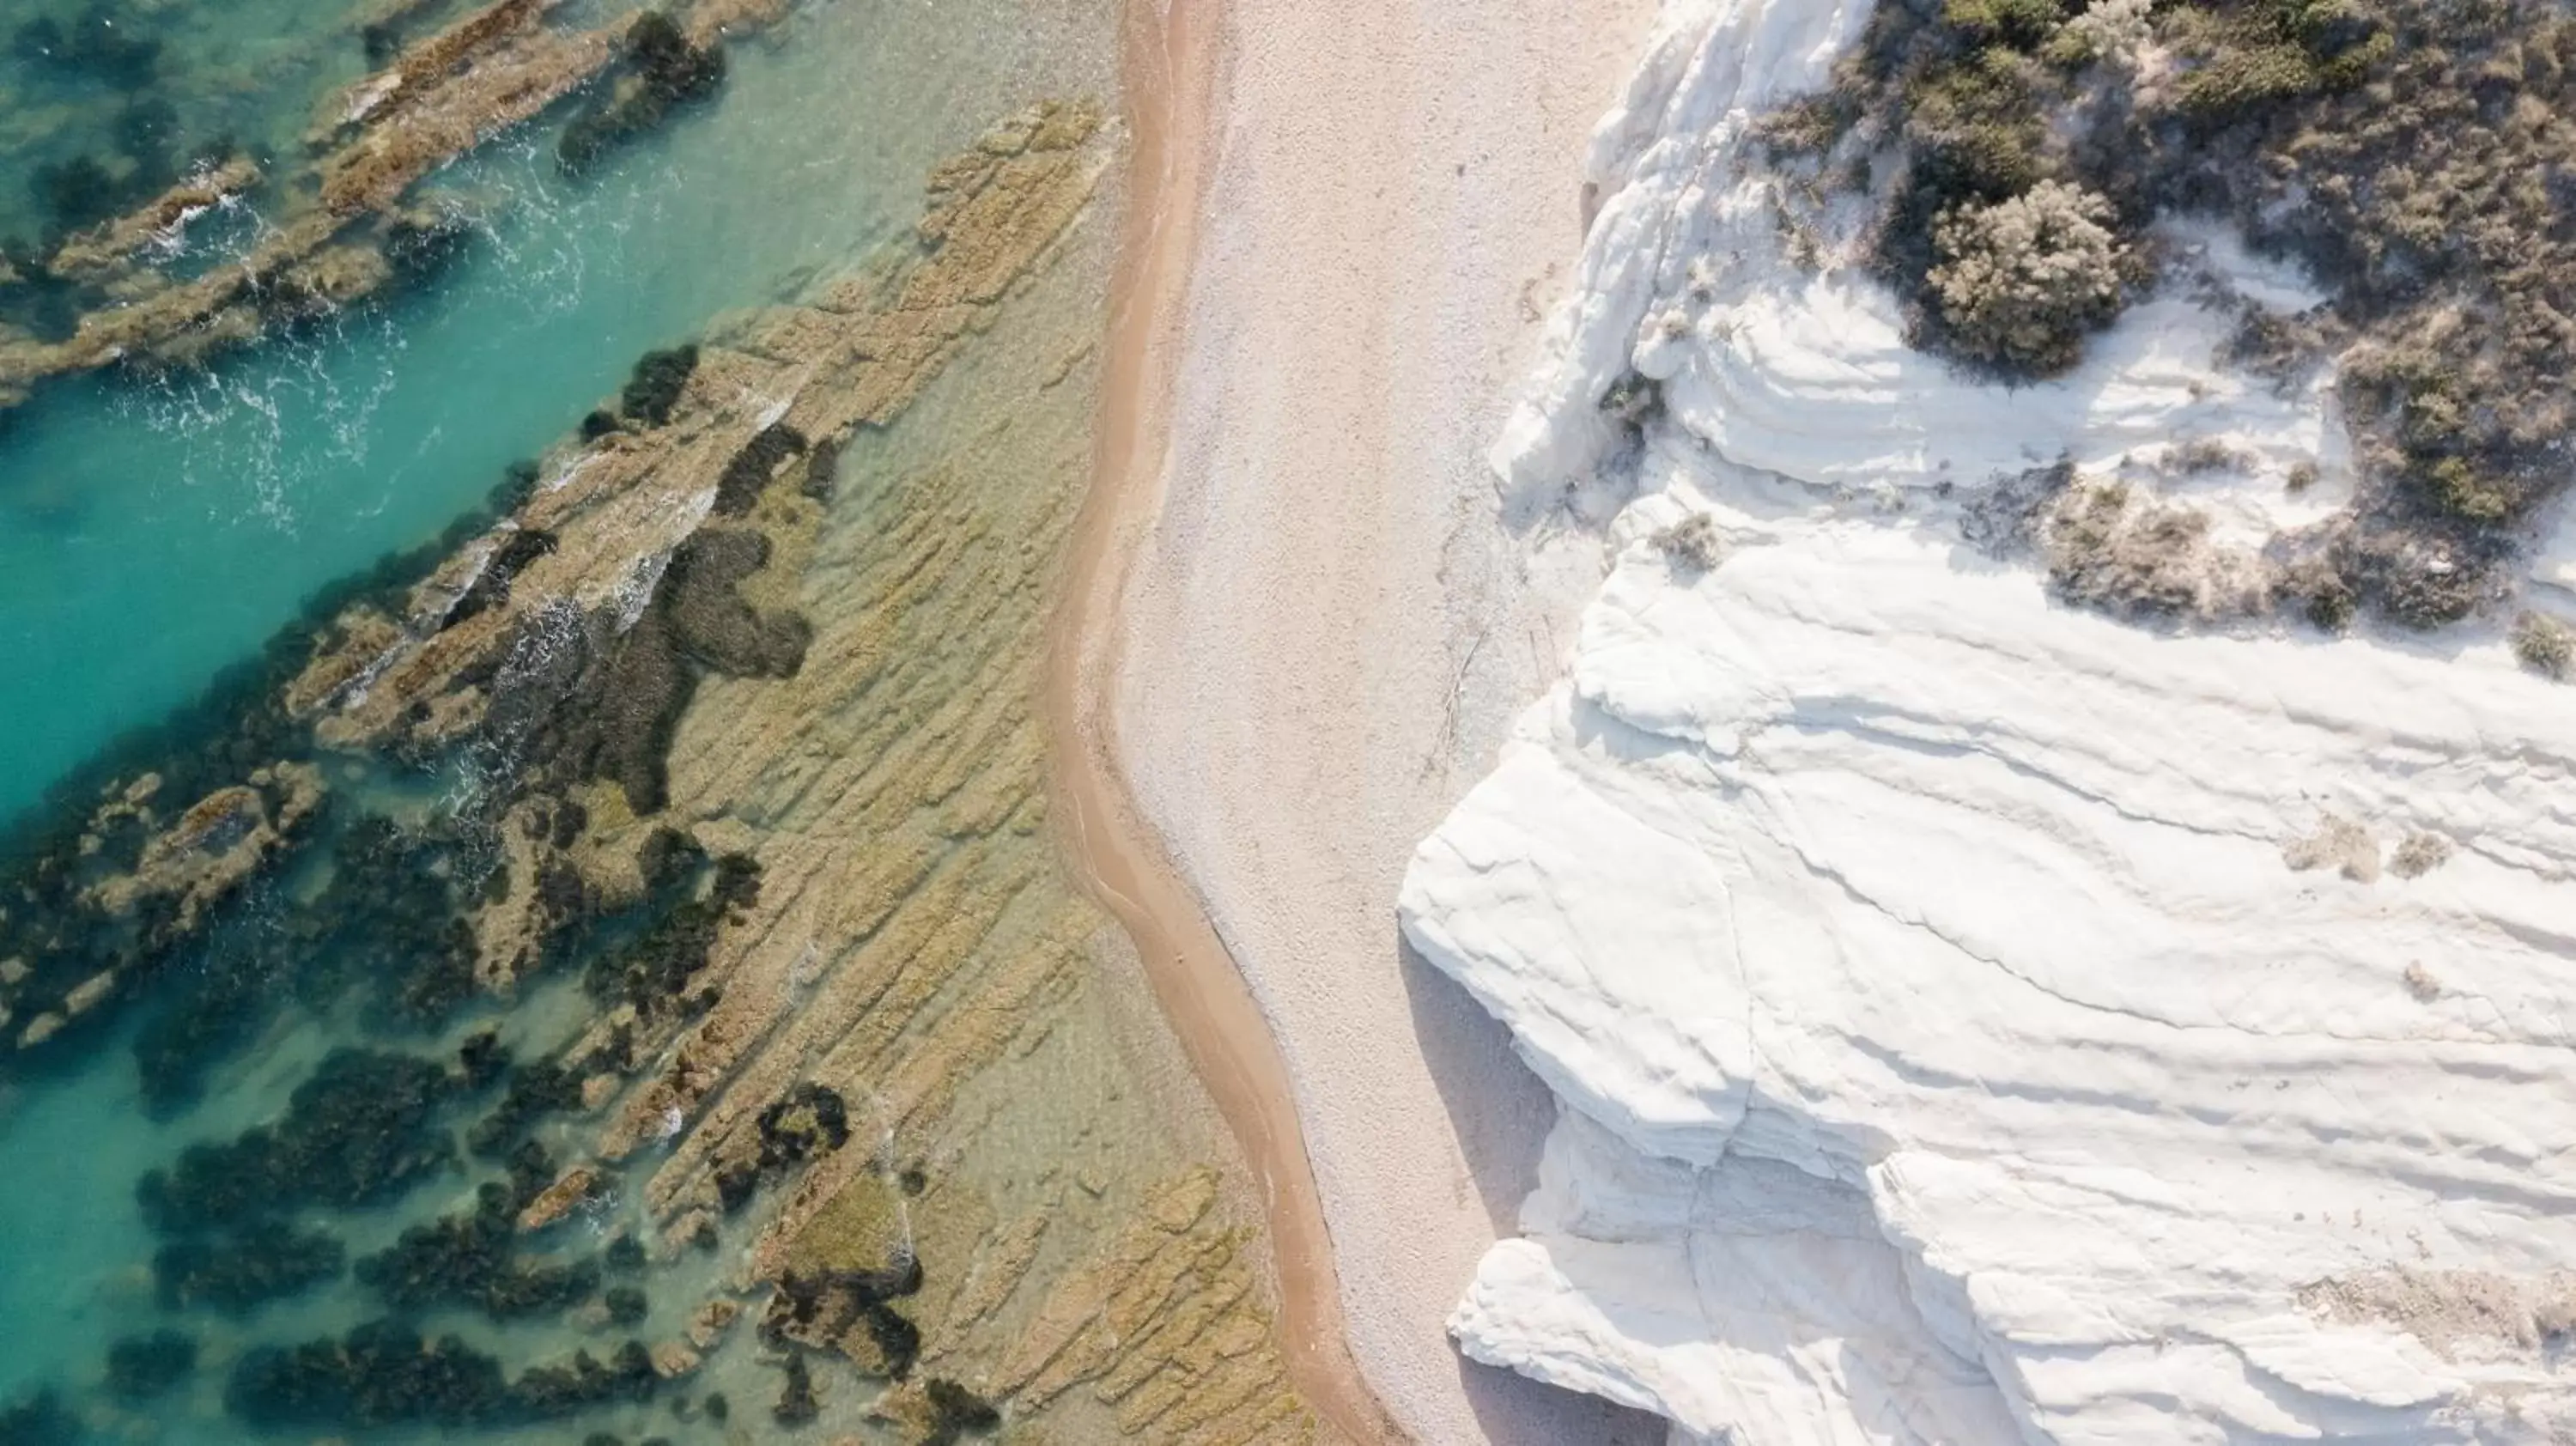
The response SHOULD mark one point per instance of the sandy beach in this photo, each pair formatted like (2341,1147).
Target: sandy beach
(1298,627)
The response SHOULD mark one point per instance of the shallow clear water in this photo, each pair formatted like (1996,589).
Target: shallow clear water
(153,533)
(150,534)
(139,88)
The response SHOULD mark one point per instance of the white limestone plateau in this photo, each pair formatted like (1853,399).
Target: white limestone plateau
(1978,1019)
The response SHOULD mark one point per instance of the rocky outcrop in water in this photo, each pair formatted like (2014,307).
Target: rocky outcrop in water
(341,231)
(755,760)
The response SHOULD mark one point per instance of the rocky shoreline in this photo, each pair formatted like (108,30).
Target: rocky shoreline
(732,709)
(350,222)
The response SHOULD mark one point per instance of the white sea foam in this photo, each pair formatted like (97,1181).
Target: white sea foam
(1950,1050)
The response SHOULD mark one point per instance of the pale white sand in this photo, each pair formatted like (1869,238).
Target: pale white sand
(1327,626)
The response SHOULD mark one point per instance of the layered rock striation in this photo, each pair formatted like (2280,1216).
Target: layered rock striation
(2005,980)
(734,707)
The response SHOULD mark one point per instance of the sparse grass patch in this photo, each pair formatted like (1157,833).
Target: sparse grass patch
(2143,558)
(2339,843)
(2208,454)
(2544,644)
(2419,854)
(1692,544)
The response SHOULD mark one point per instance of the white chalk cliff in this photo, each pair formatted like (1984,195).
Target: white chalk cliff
(1978,1019)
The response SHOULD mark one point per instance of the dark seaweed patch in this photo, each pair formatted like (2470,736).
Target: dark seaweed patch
(142,1367)
(34,298)
(655,384)
(796,1404)
(263,1261)
(359,1132)
(380,1374)
(652,972)
(748,472)
(93,47)
(39,1420)
(711,622)
(664,72)
(518,548)
(807,1121)
(385,1373)
(607,706)
(826,1305)
(822,470)
(956,1411)
(537,1089)
(584,1382)
(472,1259)
(419,247)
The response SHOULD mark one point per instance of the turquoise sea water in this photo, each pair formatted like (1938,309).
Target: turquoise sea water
(152,533)
(149,535)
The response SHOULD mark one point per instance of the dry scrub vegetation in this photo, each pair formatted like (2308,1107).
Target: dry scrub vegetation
(2417,156)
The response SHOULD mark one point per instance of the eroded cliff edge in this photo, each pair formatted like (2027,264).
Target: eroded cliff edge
(2017,965)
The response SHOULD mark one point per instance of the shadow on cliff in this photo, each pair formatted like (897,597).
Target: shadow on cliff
(1500,1111)
(1501,1114)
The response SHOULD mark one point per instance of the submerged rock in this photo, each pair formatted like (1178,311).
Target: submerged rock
(496,66)
(213,848)
(871,877)
(576,1187)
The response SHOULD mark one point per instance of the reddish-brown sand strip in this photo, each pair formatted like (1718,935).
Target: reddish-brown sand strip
(1171,62)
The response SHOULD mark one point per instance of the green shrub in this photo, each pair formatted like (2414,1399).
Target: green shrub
(1693,544)
(2024,25)
(2331,606)
(2107,30)
(2417,157)
(2457,487)
(2022,281)
(1975,131)
(2238,80)
(1807,126)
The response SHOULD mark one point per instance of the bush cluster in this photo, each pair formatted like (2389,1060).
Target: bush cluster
(2415,155)
(2022,281)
